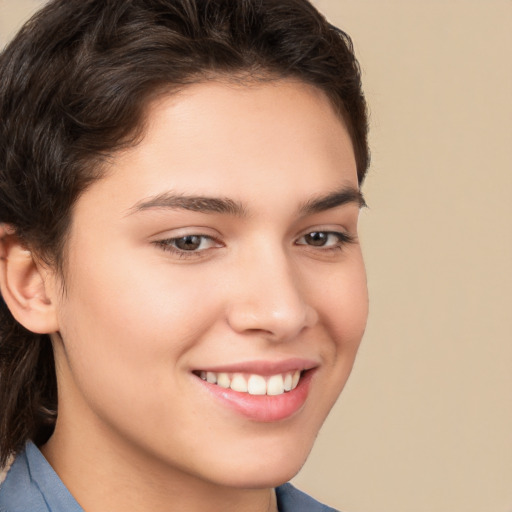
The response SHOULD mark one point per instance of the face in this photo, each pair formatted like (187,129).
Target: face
(215,288)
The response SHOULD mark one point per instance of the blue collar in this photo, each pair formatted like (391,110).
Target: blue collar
(32,484)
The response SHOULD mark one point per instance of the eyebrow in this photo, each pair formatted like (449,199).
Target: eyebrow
(201,204)
(334,199)
(226,206)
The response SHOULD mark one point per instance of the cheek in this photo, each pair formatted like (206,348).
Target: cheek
(344,306)
(125,330)
(132,296)
(127,344)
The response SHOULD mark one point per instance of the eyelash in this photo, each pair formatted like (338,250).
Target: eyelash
(168,244)
(343,239)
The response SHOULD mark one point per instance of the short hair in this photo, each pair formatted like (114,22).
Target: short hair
(75,84)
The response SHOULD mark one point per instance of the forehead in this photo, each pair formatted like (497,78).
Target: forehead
(243,125)
(282,139)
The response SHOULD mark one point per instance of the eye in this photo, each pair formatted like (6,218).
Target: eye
(325,239)
(188,244)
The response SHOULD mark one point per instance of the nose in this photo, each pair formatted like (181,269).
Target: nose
(270,298)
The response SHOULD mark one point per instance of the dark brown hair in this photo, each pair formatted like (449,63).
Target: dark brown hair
(74,84)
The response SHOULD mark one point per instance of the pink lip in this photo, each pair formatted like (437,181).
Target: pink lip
(262,408)
(264,368)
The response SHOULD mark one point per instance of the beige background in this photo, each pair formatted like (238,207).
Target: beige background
(425,423)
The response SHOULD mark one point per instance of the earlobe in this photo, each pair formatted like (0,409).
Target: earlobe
(24,283)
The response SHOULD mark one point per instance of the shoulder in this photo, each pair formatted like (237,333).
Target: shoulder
(290,499)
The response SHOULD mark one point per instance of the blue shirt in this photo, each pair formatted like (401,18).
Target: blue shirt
(32,485)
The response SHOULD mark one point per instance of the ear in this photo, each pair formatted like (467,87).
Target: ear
(26,286)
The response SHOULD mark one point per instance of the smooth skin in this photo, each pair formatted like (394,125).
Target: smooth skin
(144,306)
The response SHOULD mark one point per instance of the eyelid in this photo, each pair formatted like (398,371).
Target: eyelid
(185,230)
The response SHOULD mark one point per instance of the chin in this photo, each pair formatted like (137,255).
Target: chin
(264,469)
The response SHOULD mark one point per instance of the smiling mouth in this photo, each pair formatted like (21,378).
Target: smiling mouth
(253,384)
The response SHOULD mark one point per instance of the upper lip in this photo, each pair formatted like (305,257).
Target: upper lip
(261,367)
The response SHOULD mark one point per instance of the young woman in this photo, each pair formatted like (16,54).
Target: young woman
(184,292)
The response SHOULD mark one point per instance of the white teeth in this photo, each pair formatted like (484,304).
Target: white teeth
(238,383)
(223,380)
(275,385)
(288,382)
(256,385)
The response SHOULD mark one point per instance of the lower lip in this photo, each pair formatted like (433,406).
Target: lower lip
(264,408)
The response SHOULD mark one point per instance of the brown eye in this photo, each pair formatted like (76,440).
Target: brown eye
(316,238)
(188,243)
(325,239)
